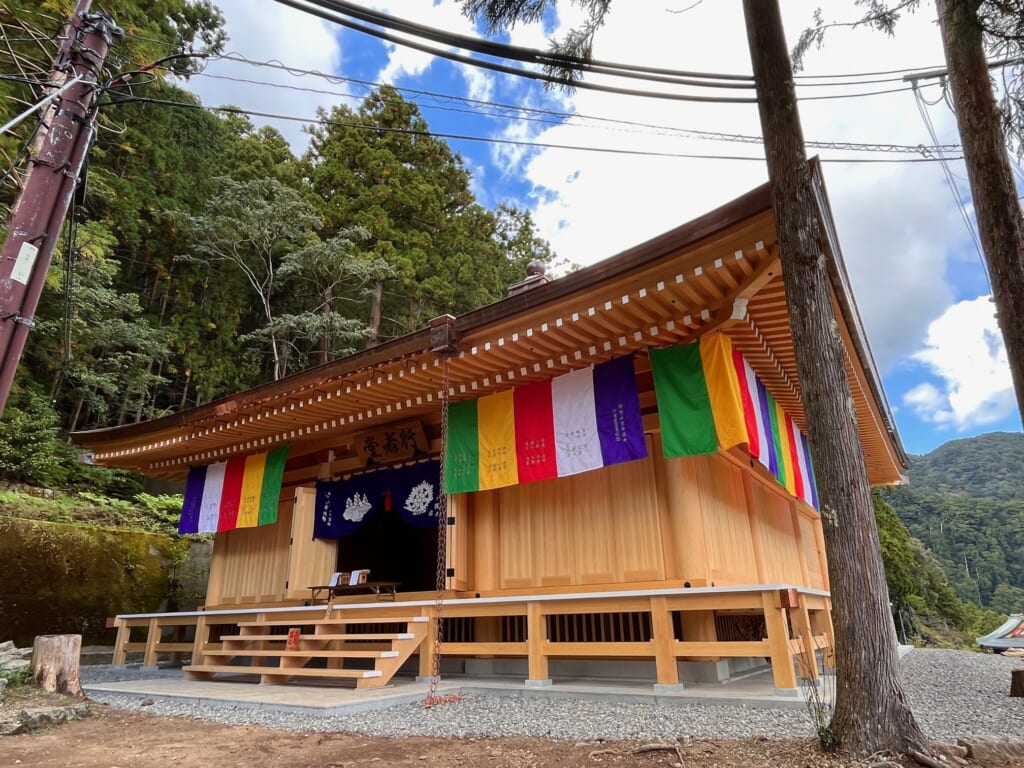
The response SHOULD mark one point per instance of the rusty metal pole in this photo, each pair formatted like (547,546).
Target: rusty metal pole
(53,175)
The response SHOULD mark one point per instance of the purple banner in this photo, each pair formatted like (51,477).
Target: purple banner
(617,403)
(189,522)
(762,401)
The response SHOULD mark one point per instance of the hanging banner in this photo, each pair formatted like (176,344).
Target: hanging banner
(709,399)
(237,493)
(413,491)
(583,420)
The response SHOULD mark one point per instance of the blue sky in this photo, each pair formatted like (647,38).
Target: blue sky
(916,273)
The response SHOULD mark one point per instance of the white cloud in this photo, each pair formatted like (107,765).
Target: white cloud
(275,33)
(964,349)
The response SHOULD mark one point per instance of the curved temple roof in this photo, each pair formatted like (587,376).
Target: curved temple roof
(718,272)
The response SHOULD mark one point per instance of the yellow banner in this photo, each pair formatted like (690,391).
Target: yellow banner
(723,390)
(496,428)
(252,484)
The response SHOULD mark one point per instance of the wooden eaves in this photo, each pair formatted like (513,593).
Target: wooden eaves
(718,272)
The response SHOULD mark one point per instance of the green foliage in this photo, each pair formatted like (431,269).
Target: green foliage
(17,678)
(377,231)
(986,466)
(157,514)
(965,503)
(411,193)
(31,450)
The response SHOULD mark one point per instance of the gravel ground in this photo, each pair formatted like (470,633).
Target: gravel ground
(953,694)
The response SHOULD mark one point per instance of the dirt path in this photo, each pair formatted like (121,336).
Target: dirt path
(115,738)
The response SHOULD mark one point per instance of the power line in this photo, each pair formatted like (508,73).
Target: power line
(482,139)
(516,72)
(527,55)
(552,117)
(961,206)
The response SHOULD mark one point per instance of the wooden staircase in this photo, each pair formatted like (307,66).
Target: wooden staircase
(330,642)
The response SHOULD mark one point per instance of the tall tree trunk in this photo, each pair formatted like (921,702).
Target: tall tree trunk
(998,213)
(871,712)
(375,309)
(325,340)
(73,426)
(184,391)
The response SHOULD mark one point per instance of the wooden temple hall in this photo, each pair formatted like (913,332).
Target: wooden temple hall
(612,467)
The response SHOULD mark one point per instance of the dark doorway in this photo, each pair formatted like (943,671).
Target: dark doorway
(393,550)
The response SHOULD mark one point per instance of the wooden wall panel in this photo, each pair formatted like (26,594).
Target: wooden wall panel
(778,539)
(599,527)
(816,564)
(485,549)
(593,552)
(636,518)
(312,560)
(730,551)
(251,564)
(515,538)
(550,505)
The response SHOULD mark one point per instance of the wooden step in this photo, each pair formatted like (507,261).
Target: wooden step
(307,636)
(336,621)
(311,653)
(207,669)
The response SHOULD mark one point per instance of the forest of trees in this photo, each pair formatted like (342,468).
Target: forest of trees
(965,502)
(203,256)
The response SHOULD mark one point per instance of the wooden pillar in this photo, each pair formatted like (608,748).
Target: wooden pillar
(699,627)
(426,666)
(821,624)
(686,516)
(663,637)
(124,636)
(802,626)
(778,641)
(200,641)
(152,638)
(55,660)
(536,638)
(218,571)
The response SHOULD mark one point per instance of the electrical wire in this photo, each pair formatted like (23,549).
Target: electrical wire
(524,73)
(527,55)
(488,140)
(552,117)
(961,205)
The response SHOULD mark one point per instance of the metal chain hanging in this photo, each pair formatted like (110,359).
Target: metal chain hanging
(432,698)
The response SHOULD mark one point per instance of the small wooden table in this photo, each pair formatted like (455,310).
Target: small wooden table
(385,590)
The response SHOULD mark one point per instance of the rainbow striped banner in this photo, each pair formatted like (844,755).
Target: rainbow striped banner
(583,420)
(774,439)
(709,399)
(241,492)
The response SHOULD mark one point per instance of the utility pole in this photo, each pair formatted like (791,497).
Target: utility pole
(53,175)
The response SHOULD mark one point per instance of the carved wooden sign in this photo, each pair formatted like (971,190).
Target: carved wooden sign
(394,442)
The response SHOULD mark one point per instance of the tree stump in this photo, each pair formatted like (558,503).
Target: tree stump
(1017,683)
(55,663)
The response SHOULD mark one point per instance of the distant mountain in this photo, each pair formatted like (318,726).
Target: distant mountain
(965,502)
(988,466)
